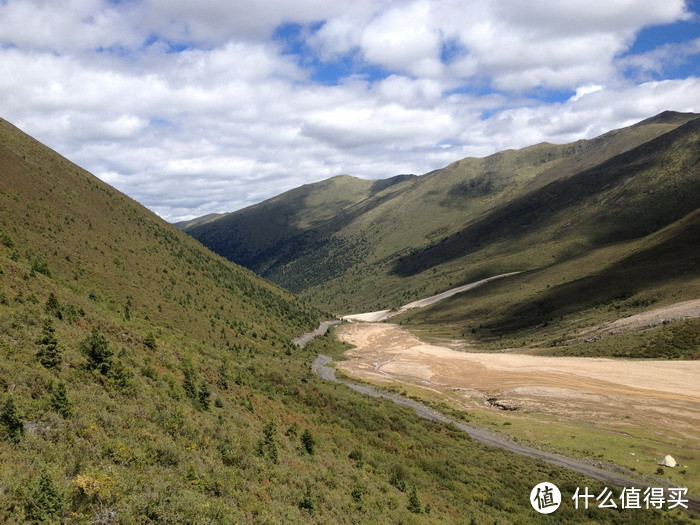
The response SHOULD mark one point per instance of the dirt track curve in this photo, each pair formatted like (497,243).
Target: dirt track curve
(321,369)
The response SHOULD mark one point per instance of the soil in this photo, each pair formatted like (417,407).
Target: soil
(658,393)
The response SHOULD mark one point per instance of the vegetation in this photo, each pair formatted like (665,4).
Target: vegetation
(593,224)
(124,431)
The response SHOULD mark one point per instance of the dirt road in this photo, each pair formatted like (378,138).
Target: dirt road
(322,370)
(382,315)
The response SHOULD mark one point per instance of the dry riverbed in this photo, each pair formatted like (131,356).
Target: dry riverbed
(661,397)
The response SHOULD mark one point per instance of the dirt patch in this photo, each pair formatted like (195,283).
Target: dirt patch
(644,321)
(589,389)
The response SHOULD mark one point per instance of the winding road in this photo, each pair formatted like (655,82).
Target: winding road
(621,478)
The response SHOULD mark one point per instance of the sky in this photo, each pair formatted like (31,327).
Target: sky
(193,107)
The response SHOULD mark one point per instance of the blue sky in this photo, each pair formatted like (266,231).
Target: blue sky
(209,106)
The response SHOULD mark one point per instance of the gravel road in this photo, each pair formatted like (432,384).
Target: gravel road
(321,369)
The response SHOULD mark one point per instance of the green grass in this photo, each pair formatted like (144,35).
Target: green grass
(189,403)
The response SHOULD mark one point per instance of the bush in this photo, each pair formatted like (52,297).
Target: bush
(45,502)
(59,399)
(53,307)
(414,504)
(308,441)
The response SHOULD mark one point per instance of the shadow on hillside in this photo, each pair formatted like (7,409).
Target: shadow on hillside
(534,210)
(675,258)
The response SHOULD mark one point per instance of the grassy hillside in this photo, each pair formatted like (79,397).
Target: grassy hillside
(539,209)
(145,380)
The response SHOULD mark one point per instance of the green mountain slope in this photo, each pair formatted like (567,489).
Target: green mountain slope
(532,209)
(144,379)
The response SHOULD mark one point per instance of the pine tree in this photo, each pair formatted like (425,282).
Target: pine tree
(49,353)
(45,502)
(189,382)
(11,420)
(96,349)
(59,399)
(203,396)
(414,503)
(53,307)
(308,441)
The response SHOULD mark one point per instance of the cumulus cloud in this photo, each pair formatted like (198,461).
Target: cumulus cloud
(197,108)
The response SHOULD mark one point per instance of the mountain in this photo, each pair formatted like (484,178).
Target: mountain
(144,379)
(537,209)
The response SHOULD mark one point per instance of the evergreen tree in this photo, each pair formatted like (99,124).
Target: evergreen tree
(203,396)
(267,447)
(308,441)
(414,503)
(45,502)
(53,307)
(11,420)
(189,382)
(59,399)
(49,353)
(121,376)
(96,349)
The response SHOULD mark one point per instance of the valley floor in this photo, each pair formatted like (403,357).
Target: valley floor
(631,411)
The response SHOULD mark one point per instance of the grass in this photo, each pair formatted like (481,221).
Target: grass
(638,448)
(178,397)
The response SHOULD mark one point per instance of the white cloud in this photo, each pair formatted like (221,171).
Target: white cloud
(582,91)
(233,120)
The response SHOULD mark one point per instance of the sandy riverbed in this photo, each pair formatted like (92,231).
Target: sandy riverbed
(583,388)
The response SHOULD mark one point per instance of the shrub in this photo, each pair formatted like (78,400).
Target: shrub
(41,266)
(150,341)
(308,441)
(414,504)
(189,381)
(59,399)
(203,396)
(53,307)
(45,502)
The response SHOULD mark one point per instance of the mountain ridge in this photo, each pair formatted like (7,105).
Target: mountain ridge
(516,210)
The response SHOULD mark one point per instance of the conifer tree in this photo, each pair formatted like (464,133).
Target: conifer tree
(49,353)
(308,441)
(45,502)
(414,503)
(11,420)
(59,399)
(96,349)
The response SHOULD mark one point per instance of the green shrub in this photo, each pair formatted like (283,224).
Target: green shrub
(414,504)
(53,307)
(59,399)
(45,502)
(308,441)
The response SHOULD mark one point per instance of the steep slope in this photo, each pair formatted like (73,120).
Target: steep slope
(298,228)
(145,380)
(513,211)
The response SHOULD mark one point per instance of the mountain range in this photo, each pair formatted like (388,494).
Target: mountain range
(145,379)
(612,219)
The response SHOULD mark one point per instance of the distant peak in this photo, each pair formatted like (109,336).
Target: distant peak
(668,117)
